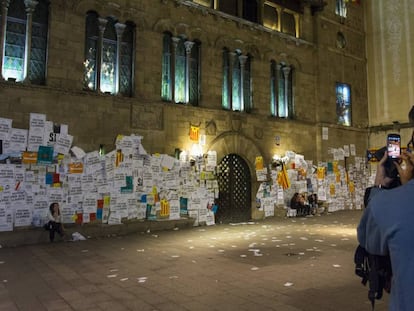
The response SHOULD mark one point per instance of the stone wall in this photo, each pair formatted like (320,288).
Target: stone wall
(96,119)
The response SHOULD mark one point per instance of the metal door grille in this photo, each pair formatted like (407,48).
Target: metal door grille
(235,190)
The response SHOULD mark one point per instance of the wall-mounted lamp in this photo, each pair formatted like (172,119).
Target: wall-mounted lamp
(277,140)
(196,150)
(183,156)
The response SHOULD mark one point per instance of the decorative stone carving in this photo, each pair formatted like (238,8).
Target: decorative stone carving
(258,133)
(211,128)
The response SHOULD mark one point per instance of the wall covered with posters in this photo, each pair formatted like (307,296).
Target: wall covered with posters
(40,166)
(337,186)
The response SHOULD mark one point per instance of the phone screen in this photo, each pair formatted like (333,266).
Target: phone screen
(394,146)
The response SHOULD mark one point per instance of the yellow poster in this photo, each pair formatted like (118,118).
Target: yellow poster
(338,177)
(335,166)
(29,157)
(259,163)
(165,208)
(351,186)
(75,168)
(320,173)
(332,189)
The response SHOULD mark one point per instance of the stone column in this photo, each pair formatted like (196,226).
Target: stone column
(30,7)
(102,26)
(232,55)
(286,72)
(4,11)
(240,8)
(278,67)
(279,12)
(297,28)
(188,45)
(242,59)
(119,31)
(260,11)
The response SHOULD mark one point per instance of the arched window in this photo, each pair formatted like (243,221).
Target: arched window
(281,90)
(343,104)
(109,50)
(340,8)
(236,89)
(283,19)
(24,45)
(180,70)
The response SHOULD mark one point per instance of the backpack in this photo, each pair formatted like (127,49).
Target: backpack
(374,270)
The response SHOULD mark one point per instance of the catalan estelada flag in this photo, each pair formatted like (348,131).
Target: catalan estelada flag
(283,178)
(194,132)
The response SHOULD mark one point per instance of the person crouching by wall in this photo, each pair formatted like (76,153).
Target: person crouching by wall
(55,221)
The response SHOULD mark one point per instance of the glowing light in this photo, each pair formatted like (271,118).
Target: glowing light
(196,150)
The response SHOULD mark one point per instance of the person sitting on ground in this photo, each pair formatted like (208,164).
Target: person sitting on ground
(55,221)
(298,203)
(313,203)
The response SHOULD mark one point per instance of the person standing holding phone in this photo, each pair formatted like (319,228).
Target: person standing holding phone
(387,227)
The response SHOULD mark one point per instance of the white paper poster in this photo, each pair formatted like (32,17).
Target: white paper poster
(5,128)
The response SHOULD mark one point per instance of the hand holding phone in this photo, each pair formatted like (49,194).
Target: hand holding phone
(394,146)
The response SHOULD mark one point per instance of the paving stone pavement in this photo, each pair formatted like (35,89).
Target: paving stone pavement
(276,264)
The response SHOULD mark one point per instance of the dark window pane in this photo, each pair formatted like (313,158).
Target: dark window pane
(288,24)
(228,6)
(13,65)
(281,98)
(236,87)
(225,87)
(194,74)
(39,43)
(109,50)
(91,45)
(250,10)
(17,9)
(126,66)
(166,68)
(246,86)
(180,67)
(273,102)
(270,17)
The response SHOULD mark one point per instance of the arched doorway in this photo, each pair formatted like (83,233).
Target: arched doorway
(235,190)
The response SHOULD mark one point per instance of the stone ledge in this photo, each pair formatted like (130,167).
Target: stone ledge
(34,235)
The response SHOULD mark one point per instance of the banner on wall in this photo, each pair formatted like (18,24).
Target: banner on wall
(194,133)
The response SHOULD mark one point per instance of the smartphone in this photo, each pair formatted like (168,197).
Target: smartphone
(394,146)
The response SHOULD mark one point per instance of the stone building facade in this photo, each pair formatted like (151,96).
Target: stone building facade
(323,49)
